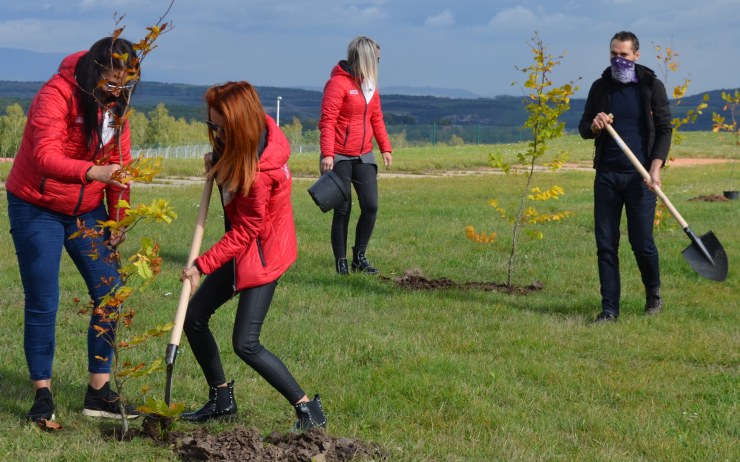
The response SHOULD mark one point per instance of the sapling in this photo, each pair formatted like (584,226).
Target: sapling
(545,104)
(139,269)
(667,57)
(721,124)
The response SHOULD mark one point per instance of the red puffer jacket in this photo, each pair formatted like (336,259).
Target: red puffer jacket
(348,123)
(262,236)
(49,168)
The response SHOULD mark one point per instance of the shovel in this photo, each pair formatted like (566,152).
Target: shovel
(705,254)
(182,305)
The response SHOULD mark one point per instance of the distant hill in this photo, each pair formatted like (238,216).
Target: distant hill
(33,66)
(428,91)
(502,111)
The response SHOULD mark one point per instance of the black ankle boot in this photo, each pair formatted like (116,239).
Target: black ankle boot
(653,302)
(342,268)
(360,263)
(310,414)
(220,404)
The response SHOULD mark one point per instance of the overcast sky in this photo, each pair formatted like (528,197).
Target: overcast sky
(472,45)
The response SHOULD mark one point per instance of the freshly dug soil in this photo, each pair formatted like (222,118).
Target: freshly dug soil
(710,198)
(248,445)
(415,280)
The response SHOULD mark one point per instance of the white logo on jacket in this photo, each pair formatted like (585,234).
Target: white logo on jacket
(286,170)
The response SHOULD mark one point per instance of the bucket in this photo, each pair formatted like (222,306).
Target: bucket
(328,191)
(731,195)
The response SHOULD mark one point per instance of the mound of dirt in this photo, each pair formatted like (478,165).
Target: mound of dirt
(415,280)
(248,445)
(709,198)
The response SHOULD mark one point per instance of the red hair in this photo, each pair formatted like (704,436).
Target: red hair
(244,117)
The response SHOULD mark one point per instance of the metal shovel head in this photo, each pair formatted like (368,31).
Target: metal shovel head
(169,359)
(716,268)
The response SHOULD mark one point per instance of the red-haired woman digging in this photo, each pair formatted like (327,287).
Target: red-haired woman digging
(249,163)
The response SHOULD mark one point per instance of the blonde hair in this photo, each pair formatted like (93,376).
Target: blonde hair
(244,117)
(362,57)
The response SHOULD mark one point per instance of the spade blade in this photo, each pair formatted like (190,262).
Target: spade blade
(714,268)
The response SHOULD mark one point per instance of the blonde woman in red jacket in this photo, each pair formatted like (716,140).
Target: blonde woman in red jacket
(65,171)
(249,164)
(350,117)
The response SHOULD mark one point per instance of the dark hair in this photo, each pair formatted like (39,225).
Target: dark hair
(89,72)
(625,36)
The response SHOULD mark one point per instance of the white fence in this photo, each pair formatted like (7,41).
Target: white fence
(198,150)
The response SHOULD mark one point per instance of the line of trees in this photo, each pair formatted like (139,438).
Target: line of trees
(153,129)
(11,130)
(157,128)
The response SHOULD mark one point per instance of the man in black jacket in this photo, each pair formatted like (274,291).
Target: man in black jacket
(630,98)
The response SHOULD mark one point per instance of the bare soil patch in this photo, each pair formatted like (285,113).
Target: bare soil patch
(248,445)
(709,198)
(415,280)
(690,162)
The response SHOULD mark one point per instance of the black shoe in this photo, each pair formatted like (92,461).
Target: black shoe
(43,406)
(106,403)
(220,405)
(653,304)
(360,263)
(604,317)
(310,415)
(342,268)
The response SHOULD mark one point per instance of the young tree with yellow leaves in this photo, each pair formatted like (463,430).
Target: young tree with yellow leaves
(545,104)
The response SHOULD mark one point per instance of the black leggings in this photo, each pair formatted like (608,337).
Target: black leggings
(365,179)
(251,310)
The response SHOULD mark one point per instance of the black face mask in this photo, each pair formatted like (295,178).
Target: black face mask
(106,98)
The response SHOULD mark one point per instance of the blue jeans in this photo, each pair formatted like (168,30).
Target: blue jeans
(614,191)
(39,235)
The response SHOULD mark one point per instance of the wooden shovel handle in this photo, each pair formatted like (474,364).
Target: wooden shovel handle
(182,305)
(631,156)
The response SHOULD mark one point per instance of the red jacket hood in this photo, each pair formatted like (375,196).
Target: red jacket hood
(277,151)
(342,68)
(68,65)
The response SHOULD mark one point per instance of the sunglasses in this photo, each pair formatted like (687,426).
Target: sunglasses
(110,86)
(212,125)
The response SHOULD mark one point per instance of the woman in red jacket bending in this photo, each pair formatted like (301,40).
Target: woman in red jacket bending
(350,117)
(249,164)
(64,172)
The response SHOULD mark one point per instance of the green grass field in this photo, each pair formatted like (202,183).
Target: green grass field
(446,375)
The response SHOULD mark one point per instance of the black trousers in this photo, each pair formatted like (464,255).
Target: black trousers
(217,289)
(613,192)
(364,177)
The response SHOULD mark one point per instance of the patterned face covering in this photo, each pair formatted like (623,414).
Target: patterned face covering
(623,70)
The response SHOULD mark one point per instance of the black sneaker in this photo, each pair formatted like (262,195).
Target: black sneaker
(105,403)
(43,406)
(604,317)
